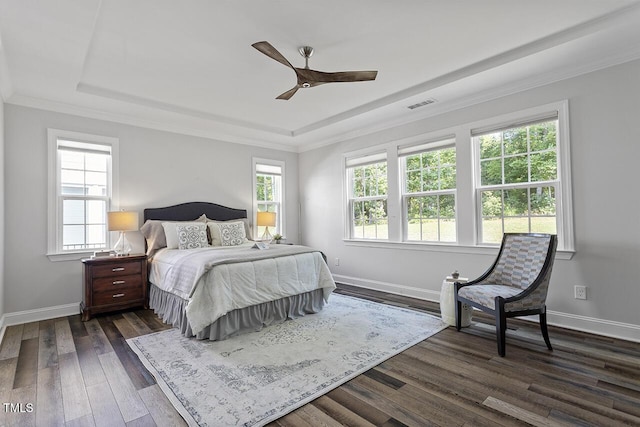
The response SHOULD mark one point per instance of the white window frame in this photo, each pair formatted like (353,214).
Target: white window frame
(54,226)
(562,184)
(468,209)
(355,161)
(280,204)
(411,150)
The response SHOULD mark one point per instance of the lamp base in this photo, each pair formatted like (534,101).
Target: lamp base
(122,246)
(266,236)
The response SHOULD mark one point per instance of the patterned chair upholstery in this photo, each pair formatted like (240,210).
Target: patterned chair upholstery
(515,285)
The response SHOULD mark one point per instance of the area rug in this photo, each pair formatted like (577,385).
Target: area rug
(255,378)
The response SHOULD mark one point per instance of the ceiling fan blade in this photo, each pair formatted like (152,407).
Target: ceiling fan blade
(342,76)
(271,52)
(288,94)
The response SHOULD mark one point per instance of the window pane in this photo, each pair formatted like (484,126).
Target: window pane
(515,141)
(543,224)
(430,179)
(71,160)
(429,230)
(73,212)
(543,201)
(96,235)
(447,206)
(72,181)
(448,178)
(491,172)
(414,181)
(516,225)
(491,204)
(96,211)
(516,169)
(413,162)
(491,230)
(544,166)
(96,162)
(515,202)
(73,236)
(490,146)
(543,136)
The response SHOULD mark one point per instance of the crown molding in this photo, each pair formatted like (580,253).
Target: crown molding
(174,127)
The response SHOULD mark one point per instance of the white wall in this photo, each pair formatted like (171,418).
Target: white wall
(2,226)
(604,112)
(156,169)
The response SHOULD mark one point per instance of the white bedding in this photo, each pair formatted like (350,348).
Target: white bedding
(217,280)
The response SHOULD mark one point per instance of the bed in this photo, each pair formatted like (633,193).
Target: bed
(217,285)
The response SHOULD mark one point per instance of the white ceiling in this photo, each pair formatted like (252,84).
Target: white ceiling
(188,66)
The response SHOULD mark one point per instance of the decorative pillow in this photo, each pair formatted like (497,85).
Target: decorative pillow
(153,231)
(192,236)
(171,233)
(227,233)
(245,221)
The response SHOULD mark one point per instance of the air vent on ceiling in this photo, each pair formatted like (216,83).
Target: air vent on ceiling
(421,104)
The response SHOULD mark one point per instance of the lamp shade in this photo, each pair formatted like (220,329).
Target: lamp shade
(122,221)
(267,219)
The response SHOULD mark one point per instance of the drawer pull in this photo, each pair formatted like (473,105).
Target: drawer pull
(118,269)
(118,295)
(119,282)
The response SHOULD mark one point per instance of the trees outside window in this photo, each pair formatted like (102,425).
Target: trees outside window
(518,180)
(429,194)
(368,199)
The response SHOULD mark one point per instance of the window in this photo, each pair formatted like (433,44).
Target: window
(518,182)
(367,194)
(429,191)
(268,191)
(81,191)
(465,185)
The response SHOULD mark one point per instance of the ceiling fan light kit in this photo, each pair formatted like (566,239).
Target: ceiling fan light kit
(308,77)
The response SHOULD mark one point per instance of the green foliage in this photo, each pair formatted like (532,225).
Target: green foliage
(520,155)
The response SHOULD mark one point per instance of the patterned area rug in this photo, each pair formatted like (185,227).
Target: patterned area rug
(252,379)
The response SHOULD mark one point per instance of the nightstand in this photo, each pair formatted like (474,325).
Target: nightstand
(114,283)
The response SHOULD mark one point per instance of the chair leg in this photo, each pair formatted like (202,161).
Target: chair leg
(501,326)
(458,313)
(545,331)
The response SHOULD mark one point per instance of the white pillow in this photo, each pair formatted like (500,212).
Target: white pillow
(171,233)
(227,233)
(192,236)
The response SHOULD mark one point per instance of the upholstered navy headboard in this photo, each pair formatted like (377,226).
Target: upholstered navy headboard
(193,210)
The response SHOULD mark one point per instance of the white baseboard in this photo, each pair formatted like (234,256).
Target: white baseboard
(590,325)
(391,288)
(38,314)
(3,328)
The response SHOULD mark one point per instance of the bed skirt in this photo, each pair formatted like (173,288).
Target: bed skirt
(171,309)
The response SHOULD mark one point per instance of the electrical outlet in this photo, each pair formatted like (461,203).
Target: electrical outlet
(580,292)
(337,262)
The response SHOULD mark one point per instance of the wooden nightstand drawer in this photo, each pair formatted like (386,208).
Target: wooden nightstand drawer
(117,269)
(116,282)
(112,283)
(117,296)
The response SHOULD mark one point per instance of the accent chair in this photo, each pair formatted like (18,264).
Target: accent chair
(515,285)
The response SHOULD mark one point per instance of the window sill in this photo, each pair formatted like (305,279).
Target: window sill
(440,247)
(68,256)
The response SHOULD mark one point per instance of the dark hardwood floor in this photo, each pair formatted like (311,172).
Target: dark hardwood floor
(76,373)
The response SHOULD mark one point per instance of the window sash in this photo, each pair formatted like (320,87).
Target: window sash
(63,228)
(488,229)
(376,227)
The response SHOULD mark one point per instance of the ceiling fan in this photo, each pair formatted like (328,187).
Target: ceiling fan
(308,77)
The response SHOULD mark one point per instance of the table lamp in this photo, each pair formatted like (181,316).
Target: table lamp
(122,221)
(266,219)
